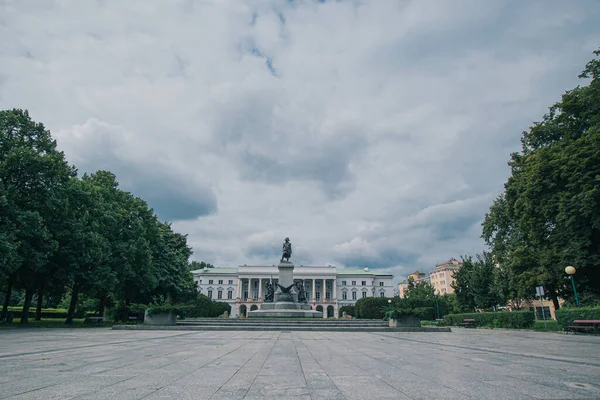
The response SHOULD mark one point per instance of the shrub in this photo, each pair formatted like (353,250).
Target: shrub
(350,310)
(371,307)
(219,307)
(566,315)
(502,319)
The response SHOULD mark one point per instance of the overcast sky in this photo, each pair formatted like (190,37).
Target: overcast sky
(370,132)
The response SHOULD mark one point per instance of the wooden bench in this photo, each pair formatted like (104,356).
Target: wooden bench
(467,323)
(440,321)
(93,319)
(133,318)
(584,325)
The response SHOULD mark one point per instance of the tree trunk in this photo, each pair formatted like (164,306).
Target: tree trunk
(554,299)
(72,305)
(38,309)
(7,299)
(25,313)
(102,305)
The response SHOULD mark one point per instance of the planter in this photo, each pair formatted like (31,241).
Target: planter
(163,318)
(408,320)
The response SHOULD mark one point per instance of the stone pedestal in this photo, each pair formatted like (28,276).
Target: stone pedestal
(286,273)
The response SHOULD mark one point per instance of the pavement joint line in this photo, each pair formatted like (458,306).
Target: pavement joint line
(244,364)
(191,372)
(127,365)
(302,368)
(575,362)
(93,345)
(356,349)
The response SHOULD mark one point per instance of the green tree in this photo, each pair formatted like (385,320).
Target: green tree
(420,290)
(195,265)
(549,214)
(33,175)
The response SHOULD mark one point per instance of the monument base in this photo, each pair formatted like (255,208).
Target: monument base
(285,310)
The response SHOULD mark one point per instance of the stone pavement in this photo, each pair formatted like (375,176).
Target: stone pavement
(100,363)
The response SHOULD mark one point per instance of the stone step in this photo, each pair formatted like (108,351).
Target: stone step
(288,325)
(294,328)
(254,321)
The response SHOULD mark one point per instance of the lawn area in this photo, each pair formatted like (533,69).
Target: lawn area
(47,322)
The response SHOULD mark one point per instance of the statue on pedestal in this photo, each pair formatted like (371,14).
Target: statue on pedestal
(270,292)
(301,292)
(286,250)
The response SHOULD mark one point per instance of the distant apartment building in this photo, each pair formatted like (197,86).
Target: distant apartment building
(441,278)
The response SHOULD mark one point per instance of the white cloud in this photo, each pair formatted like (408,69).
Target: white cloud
(371,133)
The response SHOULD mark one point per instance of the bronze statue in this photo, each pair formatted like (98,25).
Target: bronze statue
(301,292)
(270,292)
(287,250)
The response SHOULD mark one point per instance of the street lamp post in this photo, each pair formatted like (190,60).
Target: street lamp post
(570,270)
(437,306)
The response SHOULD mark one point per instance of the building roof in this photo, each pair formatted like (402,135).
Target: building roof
(215,271)
(345,271)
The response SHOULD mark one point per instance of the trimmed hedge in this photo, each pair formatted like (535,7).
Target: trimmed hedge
(566,315)
(502,319)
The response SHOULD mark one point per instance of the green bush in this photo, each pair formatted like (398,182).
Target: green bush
(350,310)
(566,315)
(371,307)
(502,319)
(550,326)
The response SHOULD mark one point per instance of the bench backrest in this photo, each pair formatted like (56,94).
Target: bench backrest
(587,321)
(468,320)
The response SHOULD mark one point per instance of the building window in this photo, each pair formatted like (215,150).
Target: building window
(364,295)
(380,283)
(382,294)
(343,283)
(210,294)
(353,283)
(231,281)
(245,294)
(210,281)
(353,295)
(220,281)
(219,294)
(229,294)
(344,296)
(318,296)
(255,284)
(328,295)
(364,283)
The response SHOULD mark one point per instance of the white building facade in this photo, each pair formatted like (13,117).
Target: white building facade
(328,288)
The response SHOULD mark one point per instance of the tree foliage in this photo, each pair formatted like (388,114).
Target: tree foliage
(548,216)
(78,238)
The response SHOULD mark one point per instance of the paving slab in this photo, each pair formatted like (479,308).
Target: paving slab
(100,363)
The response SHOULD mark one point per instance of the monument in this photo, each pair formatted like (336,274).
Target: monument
(288,300)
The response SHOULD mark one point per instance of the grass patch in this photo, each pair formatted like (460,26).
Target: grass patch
(48,323)
(551,326)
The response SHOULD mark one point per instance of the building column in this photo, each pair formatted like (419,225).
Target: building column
(334,294)
(313,289)
(260,288)
(239,288)
(324,289)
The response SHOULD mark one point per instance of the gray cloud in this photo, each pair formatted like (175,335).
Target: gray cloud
(371,133)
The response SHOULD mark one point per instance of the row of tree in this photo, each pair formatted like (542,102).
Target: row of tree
(60,233)
(548,216)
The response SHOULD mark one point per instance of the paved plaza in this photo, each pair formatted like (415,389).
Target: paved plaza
(465,364)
